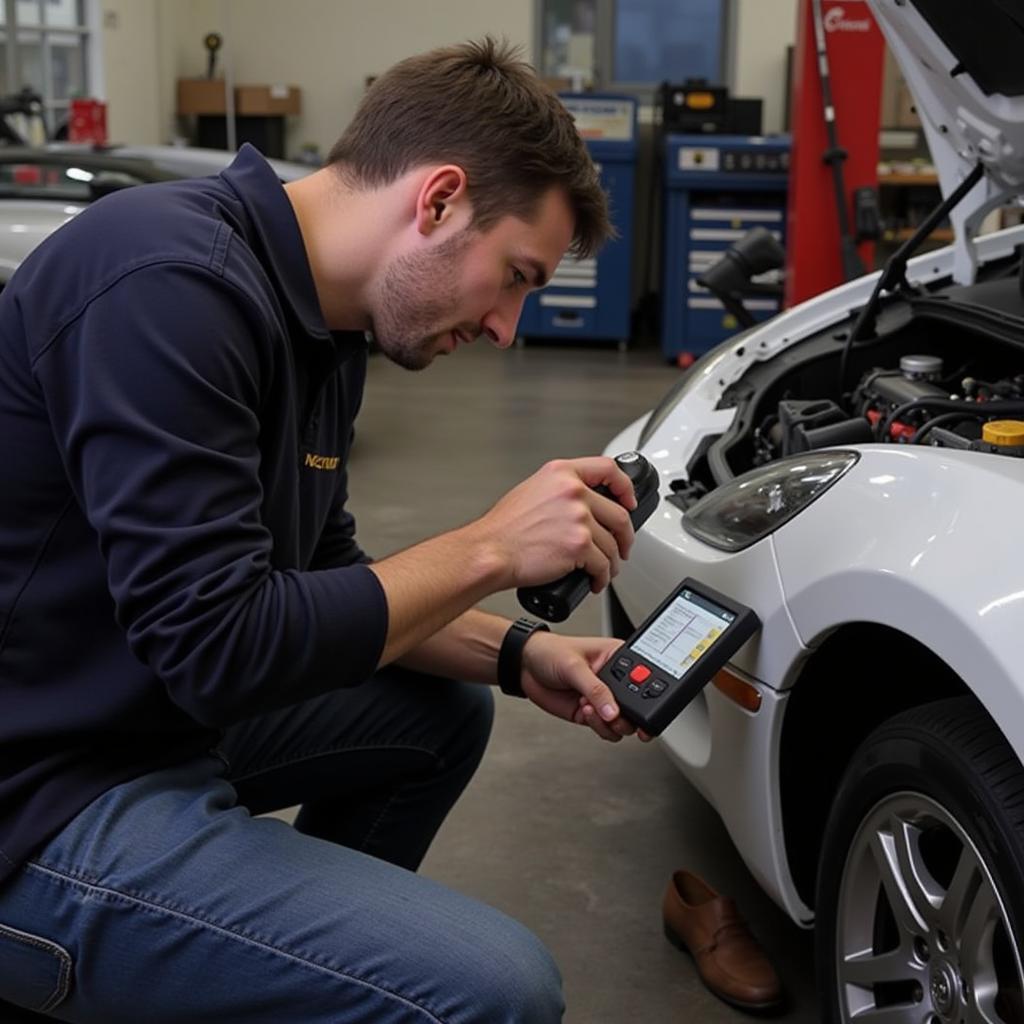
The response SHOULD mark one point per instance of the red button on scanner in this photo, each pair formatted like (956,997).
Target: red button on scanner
(640,673)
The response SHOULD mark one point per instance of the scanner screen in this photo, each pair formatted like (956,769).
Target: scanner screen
(684,632)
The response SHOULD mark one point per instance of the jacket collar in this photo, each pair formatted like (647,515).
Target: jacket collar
(280,241)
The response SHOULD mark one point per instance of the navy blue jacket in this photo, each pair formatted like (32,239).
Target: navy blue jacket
(175,554)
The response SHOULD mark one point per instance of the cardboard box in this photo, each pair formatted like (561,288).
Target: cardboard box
(556,84)
(268,99)
(202,96)
(208,96)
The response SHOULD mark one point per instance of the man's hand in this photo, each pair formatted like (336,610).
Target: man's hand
(559,676)
(554,522)
(551,523)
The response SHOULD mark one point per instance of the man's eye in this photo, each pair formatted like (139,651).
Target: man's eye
(518,277)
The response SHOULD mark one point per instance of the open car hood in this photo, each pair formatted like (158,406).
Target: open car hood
(962,60)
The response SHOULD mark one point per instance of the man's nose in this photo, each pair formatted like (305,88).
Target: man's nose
(500,324)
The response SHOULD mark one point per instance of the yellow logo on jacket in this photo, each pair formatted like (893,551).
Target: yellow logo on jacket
(322,461)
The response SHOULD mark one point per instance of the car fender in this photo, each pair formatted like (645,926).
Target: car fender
(922,540)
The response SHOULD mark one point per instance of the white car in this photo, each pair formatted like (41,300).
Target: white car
(853,470)
(42,188)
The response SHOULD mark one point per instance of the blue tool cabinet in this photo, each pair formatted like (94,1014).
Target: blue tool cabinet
(717,187)
(591,299)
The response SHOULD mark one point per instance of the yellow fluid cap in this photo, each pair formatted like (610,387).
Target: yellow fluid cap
(1003,432)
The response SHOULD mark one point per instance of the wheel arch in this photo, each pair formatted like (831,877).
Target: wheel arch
(844,691)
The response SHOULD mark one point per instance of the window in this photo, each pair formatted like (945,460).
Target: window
(630,44)
(45,46)
(667,40)
(568,29)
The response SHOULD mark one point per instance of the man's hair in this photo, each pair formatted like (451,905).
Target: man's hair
(480,106)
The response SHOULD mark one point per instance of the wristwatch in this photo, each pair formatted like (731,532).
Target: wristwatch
(510,657)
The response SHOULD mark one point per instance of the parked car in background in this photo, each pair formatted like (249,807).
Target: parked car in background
(854,471)
(181,161)
(42,188)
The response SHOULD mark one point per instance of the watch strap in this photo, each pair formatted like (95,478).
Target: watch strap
(510,657)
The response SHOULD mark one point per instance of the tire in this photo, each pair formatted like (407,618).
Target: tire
(920,897)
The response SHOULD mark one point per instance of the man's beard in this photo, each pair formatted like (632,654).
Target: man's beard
(417,294)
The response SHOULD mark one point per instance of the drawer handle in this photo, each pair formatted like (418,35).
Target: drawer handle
(568,319)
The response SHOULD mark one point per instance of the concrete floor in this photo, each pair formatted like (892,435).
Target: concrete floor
(575,837)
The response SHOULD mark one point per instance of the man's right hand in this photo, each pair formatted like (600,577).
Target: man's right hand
(551,523)
(554,522)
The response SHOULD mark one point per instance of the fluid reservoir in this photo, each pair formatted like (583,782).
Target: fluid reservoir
(921,367)
(1004,433)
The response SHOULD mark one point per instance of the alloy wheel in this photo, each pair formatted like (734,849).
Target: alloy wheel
(922,934)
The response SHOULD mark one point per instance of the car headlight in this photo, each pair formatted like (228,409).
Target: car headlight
(735,515)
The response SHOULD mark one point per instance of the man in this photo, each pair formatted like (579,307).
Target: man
(189,633)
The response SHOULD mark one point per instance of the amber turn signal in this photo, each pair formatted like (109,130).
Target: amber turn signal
(738,690)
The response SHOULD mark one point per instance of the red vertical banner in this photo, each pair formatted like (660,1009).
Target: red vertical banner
(855,50)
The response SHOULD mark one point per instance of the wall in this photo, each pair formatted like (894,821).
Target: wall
(762,31)
(128,30)
(327,47)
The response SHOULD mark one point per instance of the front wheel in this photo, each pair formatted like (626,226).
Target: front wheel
(920,901)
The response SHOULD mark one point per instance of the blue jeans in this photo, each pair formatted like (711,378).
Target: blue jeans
(165,900)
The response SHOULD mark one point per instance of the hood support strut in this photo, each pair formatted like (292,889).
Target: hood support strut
(894,273)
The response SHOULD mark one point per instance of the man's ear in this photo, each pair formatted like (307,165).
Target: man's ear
(441,198)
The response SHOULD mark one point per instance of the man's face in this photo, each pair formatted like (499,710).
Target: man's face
(468,284)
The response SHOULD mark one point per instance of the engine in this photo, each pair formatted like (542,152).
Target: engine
(912,404)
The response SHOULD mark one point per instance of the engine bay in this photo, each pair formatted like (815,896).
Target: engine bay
(945,369)
(914,403)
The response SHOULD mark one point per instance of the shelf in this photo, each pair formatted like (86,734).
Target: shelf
(908,179)
(938,235)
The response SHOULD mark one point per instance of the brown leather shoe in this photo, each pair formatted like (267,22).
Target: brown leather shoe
(729,960)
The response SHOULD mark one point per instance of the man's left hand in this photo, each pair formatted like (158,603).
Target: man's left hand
(559,676)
